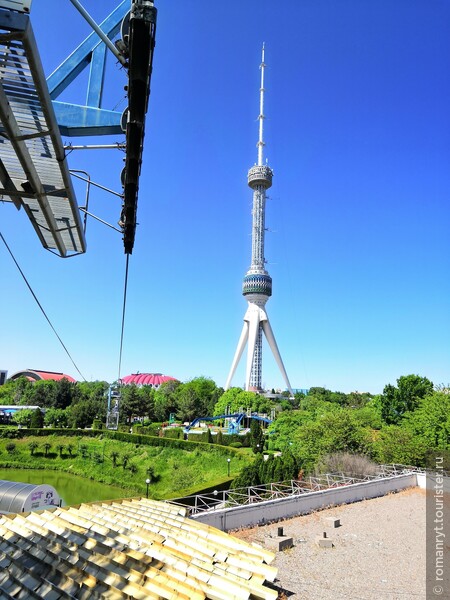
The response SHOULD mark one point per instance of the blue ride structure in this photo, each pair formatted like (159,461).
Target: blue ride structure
(234,423)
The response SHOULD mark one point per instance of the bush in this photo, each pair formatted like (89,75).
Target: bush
(175,433)
(10,447)
(235,445)
(353,465)
(10,432)
(199,437)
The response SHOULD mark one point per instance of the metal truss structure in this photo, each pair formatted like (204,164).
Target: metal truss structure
(33,168)
(284,489)
(112,413)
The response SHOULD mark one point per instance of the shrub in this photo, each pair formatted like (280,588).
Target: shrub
(174,433)
(33,447)
(235,445)
(200,437)
(353,465)
(10,432)
(37,419)
(83,450)
(97,458)
(61,448)
(10,447)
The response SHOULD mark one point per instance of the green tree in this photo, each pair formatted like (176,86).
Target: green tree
(281,431)
(166,400)
(23,417)
(147,395)
(248,477)
(91,390)
(396,444)
(189,403)
(33,447)
(397,401)
(61,447)
(114,454)
(7,392)
(97,458)
(56,417)
(235,399)
(256,437)
(332,432)
(20,389)
(65,393)
(430,421)
(41,393)
(131,404)
(37,419)
(84,451)
(47,447)
(83,413)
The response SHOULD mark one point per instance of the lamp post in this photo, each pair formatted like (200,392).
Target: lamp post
(147,481)
(228,464)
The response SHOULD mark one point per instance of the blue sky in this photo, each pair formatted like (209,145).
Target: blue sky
(358,136)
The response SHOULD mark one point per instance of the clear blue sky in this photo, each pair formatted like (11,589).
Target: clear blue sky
(358,136)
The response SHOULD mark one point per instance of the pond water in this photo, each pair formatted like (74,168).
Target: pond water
(71,488)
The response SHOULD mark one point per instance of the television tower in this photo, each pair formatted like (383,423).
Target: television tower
(257,284)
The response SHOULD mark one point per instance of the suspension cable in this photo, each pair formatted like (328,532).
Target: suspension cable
(40,306)
(123,314)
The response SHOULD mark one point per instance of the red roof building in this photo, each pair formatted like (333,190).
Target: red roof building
(151,379)
(33,375)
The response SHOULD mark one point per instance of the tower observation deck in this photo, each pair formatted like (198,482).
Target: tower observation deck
(257,284)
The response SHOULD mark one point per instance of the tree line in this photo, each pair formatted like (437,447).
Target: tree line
(407,423)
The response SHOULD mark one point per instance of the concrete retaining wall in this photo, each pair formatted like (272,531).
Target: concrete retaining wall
(282,508)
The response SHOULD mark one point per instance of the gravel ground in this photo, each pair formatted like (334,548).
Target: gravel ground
(378,552)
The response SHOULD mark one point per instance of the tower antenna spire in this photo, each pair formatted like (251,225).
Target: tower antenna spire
(261,116)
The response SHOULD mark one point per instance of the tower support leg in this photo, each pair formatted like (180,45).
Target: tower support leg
(238,353)
(276,353)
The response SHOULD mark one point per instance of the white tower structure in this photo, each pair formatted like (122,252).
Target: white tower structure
(257,285)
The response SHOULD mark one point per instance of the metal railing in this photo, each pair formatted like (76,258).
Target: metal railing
(272,491)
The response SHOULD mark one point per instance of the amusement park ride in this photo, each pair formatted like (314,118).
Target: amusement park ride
(234,420)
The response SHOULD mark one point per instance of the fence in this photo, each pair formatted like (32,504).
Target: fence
(286,489)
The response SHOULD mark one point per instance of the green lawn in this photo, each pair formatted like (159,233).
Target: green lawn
(173,472)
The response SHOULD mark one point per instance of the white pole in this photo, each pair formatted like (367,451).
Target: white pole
(261,113)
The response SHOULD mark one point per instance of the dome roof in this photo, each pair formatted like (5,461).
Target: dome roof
(33,375)
(153,379)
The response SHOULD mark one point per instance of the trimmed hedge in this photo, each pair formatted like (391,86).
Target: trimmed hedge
(200,437)
(174,434)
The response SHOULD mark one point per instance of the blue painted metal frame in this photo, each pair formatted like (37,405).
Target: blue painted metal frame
(76,120)
(236,416)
